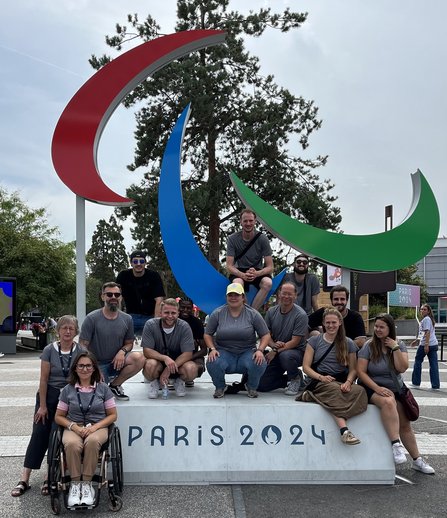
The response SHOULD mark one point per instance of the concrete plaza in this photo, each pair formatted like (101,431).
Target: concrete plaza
(413,494)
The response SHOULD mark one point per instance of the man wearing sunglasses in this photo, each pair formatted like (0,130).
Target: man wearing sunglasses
(108,334)
(142,290)
(307,284)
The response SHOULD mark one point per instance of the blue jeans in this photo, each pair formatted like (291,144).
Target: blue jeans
(433,361)
(230,363)
(138,322)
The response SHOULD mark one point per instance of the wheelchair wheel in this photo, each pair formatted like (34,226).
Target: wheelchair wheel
(55,504)
(116,503)
(116,458)
(54,465)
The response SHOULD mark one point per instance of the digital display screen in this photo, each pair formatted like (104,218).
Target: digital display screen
(7,305)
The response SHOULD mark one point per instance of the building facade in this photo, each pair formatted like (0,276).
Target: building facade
(433,270)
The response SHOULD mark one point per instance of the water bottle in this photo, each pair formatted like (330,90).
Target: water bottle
(165,391)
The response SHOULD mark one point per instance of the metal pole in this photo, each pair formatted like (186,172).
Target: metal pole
(80,259)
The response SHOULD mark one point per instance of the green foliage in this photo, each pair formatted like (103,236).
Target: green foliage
(241,121)
(107,255)
(30,251)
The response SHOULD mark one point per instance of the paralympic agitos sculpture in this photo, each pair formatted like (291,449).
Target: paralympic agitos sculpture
(74,150)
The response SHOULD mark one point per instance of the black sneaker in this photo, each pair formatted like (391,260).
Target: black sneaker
(118,392)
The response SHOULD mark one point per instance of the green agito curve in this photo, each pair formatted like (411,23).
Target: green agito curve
(400,247)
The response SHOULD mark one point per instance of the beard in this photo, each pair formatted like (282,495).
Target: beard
(112,307)
(300,270)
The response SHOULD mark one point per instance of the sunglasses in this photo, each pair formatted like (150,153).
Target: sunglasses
(111,294)
(301,262)
(138,261)
(84,367)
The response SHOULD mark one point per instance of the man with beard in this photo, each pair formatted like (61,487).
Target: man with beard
(249,258)
(142,291)
(307,284)
(108,334)
(168,347)
(185,307)
(353,321)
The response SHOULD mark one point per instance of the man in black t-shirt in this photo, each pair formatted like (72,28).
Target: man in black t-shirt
(198,357)
(353,321)
(142,291)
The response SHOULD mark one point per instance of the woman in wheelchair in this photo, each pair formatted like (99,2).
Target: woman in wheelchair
(86,409)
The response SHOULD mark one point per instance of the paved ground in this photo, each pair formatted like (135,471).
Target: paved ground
(414,495)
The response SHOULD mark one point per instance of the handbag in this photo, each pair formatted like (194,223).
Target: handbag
(405,396)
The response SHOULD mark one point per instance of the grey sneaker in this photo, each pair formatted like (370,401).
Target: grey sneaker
(179,386)
(420,465)
(399,453)
(293,387)
(154,387)
(219,392)
(349,438)
(251,392)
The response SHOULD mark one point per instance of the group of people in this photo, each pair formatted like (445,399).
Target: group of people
(79,383)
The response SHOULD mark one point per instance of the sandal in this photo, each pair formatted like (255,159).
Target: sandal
(45,490)
(20,488)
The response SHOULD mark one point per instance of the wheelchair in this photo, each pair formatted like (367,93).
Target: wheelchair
(109,472)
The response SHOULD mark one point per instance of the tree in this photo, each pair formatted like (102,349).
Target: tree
(105,258)
(241,121)
(30,251)
(107,255)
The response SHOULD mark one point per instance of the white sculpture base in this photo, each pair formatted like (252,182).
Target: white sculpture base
(272,439)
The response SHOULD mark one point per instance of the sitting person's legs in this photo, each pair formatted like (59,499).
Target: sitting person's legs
(225,363)
(246,364)
(92,446)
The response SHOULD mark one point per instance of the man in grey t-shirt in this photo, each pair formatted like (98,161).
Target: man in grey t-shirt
(168,347)
(249,258)
(288,326)
(307,284)
(108,334)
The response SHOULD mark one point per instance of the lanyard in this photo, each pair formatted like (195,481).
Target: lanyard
(81,408)
(65,371)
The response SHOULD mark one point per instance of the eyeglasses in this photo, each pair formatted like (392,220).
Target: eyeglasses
(84,366)
(300,261)
(138,261)
(111,294)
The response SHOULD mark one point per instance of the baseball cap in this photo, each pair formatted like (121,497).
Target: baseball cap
(235,288)
(137,253)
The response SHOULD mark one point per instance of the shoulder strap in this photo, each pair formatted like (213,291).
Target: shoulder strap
(396,382)
(247,248)
(165,347)
(314,365)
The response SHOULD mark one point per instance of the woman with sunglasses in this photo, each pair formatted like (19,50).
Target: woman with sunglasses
(428,346)
(375,361)
(55,362)
(86,409)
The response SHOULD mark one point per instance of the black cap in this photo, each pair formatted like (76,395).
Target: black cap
(137,253)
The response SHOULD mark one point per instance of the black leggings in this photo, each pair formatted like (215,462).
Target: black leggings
(40,437)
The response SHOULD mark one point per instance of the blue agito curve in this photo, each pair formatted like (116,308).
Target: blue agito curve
(196,276)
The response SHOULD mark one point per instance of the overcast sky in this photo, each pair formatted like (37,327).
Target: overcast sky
(376,69)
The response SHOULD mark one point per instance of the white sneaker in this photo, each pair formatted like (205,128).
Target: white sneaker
(154,387)
(88,494)
(179,386)
(399,453)
(74,495)
(420,465)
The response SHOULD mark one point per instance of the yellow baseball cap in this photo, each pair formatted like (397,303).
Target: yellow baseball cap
(235,288)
